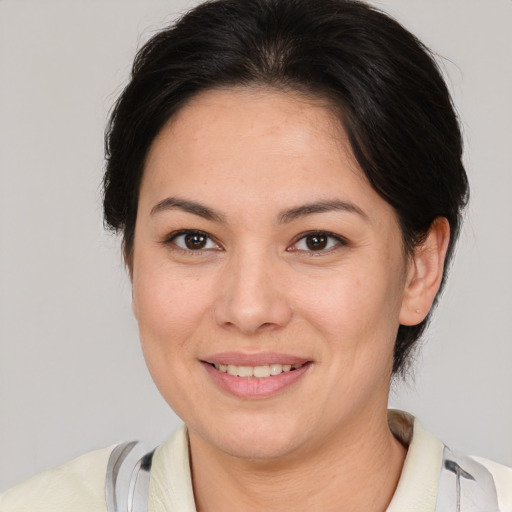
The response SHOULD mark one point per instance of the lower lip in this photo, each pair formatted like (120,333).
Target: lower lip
(253,387)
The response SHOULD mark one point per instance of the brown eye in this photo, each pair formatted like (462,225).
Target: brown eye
(316,242)
(195,241)
(191,240)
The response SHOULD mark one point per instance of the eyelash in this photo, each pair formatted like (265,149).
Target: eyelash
(171,240)
(338,242)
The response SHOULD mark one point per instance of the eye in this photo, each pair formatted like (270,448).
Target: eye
(192,240)
(317,241)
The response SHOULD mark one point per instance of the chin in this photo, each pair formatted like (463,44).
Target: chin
(259,447)
(255,438)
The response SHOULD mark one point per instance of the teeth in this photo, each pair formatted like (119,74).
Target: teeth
(275,369)
(245,371)
(260,372)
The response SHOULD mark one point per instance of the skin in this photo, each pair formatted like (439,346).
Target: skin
(250,155)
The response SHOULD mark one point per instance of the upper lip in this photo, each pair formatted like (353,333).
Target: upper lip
(254,359)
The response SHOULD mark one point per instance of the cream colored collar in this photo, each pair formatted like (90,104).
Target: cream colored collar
(417,487)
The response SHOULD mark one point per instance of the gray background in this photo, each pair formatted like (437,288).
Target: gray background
(72,376)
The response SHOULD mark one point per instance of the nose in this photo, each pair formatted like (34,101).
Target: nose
(252,297)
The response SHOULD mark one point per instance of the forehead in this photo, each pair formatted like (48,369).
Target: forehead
(254,102)
(264,146)
(213,123)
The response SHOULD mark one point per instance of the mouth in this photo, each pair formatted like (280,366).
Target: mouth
(254,376)
(258,372)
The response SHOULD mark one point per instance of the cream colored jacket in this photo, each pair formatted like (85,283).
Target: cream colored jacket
(79,486)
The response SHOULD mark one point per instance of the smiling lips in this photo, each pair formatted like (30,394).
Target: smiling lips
(252,376)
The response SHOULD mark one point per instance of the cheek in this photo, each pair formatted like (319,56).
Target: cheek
(344,301)
(354,309)
(168,307)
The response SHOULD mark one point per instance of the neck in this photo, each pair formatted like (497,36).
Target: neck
(358,469)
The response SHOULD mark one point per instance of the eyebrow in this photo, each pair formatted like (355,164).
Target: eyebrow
(174,203)
(319,207)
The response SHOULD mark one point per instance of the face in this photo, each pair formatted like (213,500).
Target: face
(268,275)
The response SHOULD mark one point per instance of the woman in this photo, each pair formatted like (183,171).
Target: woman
(287,178)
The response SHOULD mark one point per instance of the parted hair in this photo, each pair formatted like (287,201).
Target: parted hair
(383,84)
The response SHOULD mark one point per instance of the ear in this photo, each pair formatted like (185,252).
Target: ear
(425,273)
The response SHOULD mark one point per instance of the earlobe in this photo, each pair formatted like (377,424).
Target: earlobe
(425,273)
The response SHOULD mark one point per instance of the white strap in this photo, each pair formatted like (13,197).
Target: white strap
(465,485)
(127,479)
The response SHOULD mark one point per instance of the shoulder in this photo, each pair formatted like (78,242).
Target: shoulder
(77,486)
(502,476)
(434,477)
